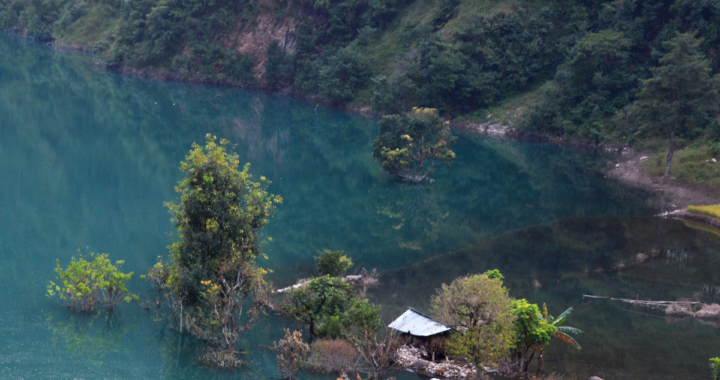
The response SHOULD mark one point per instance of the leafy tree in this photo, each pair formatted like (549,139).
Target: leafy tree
(332,263)
(345,71)
(480,306)
(83,284)
(683,92)
(412,144)
(320,305)
(532,332)
(213,271)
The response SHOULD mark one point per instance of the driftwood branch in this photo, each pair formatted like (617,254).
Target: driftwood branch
(644,302)
(351,279)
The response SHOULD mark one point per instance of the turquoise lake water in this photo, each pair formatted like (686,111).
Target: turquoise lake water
(87,158)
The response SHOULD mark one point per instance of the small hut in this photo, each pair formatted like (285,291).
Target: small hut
(420,330)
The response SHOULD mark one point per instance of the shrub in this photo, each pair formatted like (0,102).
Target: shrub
(87,283)
(715,367)
(332,263)
(332,356)
(292,351)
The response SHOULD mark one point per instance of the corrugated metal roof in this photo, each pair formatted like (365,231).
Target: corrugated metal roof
(417,324)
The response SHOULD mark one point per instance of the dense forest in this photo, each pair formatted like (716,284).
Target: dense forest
(575,68)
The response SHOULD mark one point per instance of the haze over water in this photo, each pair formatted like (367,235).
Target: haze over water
(88,157)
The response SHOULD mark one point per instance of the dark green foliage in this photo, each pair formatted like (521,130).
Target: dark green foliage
(490,58)
(410,145)
(330,308)
(342,74)
(602,76)
(279,67)
(682,97)
(332,263)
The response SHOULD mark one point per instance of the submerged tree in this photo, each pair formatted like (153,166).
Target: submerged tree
(410,145)
(84,284)
(479,306)
(683,93)
(291,353)
(213,272)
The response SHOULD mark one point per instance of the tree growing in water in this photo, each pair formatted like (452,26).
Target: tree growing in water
(86,283)
(213,272)
(410,145)
(683,93)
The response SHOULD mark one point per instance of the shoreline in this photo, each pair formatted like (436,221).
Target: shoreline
(673,196)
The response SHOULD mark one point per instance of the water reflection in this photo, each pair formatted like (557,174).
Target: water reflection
(88,157)
(556,263)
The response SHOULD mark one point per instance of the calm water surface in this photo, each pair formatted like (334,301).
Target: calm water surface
(88,157)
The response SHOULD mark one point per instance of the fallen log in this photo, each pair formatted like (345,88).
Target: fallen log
(662,304)
(364,279)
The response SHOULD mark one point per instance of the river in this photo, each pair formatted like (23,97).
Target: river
(87,158)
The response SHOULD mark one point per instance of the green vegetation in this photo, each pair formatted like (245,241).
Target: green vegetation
(715,367)
(332,263)
(84,284)
(213,270)
(410,145)
(589,70)
(492,328)
(682,97)
(711,211)
(479,305)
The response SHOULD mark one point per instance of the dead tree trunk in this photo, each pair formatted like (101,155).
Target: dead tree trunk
(672,149)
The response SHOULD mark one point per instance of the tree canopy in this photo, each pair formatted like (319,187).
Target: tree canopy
(213,267)
(683,93)
(410,145)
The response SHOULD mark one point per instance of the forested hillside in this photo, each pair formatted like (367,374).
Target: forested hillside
(568,67)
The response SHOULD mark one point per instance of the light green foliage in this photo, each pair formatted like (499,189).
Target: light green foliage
(495,274)
(213,267)
(480,306)
(410,145)
(682,96)
(332,263)
(715,367)
(83,284)
(532,331)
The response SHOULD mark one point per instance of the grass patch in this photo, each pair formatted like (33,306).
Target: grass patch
(510,111)
(96,25)
(712,211)
(691,165)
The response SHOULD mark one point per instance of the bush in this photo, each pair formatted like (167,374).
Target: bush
(333,356)
(332,263)
(87,283)
(292,351)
